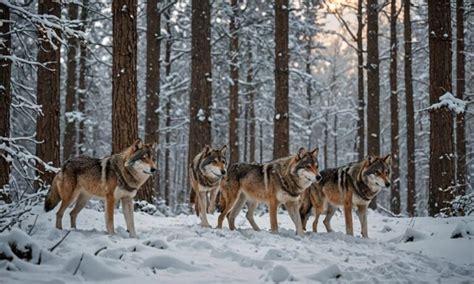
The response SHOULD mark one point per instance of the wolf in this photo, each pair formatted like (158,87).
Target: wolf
(205,173)
(113,178)
(349,186)
(277,182)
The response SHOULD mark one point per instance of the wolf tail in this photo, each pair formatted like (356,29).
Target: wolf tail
(53,198)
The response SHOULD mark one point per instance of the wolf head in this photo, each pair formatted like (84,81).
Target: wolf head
(306,166)
(376,172)
(213,161)
(142,157)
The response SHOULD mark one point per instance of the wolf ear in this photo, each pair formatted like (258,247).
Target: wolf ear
(301,153)
(315,152)
(154,146)
(370,160)
(388,159)
(137,145)
(206,149)
(223,150)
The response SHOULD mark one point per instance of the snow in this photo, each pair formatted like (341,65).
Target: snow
(178,250)
(448,100)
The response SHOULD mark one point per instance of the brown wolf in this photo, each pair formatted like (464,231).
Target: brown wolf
(113,178)
(205,173)
(277,182)
(353,185)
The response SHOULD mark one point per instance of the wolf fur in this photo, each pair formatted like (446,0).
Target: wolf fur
(113,178)
(277,182)
(349,186)
(205,173)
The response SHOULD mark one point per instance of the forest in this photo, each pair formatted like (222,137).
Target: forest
(355,78)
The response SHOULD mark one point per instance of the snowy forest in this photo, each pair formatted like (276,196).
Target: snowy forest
(389,81)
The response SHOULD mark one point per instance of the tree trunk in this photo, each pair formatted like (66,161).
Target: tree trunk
(395,188)
(168,110)
(326,139)
(201,76)
(411,171)
(124,74)
(360,84)
(81,100)
(460,89)
(234,86)
(442,164)
(48,94)
(69,138)
(251,110)
(5,96)
(281,123)
(373,87)
(152,118)
(335,140)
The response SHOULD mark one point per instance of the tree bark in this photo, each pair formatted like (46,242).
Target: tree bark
(167,109)
(48,94)
(373,87)
(5,94)
(460,89)
(395,150)
(69,138)
(442,164)
(201,76)
(251,110)
(124,74)
(81,100)
(152,117)
(234,86)
(360,84)
(281,122)
(411,171)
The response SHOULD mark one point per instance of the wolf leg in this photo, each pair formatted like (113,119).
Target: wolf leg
(348,218)
(251,205)
(66,192)
(109,214)
(202,199)
(81,202)
(317,213)
(236,210)
(327,221)
(273,207)
(362,213)
(293,210)
(212,206)
(226,208)
(127,209)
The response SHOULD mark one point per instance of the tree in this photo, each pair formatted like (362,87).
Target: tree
(442,164)
(69,136)
(281,123)
(168,46)
(152,118)
(373,84)
(395,150)
(124,74)
(410,113)
(460,89)
(48,93)
(5,94)
(360,83)
(200,100)
(251,109)
(234,86)
(81,99)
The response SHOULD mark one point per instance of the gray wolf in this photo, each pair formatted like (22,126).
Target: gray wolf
(113,178)
(349,186)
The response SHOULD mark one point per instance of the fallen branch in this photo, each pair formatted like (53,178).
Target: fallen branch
(79,264)
(60,241)
(101,249)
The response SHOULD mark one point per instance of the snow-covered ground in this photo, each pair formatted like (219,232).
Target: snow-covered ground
(177,250)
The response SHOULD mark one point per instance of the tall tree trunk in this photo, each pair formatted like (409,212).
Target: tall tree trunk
(251,109)
(411,171)
(281,123)
(308,90)
(124,74)
(48,94)
(335,140)
(261,143)
(168,109)
(81,100)
(326,139)
(442,164)
(373,87)
(360,84)
(152,118)
(460,89)
(234,86)
(395,189)
(69,138)
(201,76)
(5,96)
(246,132)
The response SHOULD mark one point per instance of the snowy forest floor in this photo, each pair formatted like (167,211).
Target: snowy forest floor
(178,250)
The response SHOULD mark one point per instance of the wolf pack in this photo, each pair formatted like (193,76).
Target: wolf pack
(294,181)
